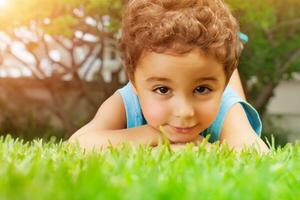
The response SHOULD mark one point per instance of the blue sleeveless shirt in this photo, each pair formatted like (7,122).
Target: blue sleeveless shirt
(135,116)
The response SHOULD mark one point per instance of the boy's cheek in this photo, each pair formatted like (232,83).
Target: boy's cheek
(210,117)
(155,113)
(208,113)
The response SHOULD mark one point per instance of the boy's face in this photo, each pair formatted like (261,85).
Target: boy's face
(182,93)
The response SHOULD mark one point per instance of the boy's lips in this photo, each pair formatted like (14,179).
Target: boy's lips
(183,129)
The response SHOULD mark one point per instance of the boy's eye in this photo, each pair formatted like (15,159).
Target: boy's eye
(162,90)
(202,90)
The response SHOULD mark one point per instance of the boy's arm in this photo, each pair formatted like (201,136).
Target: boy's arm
(237,131)
(236,85)
(109,127)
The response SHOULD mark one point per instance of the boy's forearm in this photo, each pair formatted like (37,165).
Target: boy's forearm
(145,135)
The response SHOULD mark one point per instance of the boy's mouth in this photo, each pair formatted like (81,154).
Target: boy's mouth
(183,129)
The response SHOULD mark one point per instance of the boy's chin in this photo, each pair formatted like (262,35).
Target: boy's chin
(175,138)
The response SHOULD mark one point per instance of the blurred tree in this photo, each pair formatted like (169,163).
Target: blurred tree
(273,52)
(67,25)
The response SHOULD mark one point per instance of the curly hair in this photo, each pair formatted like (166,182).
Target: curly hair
(179,26)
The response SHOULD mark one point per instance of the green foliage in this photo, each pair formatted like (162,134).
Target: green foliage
(273,27)
(62,25)
(55,170)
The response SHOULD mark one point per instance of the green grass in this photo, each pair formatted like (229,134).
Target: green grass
(55,170)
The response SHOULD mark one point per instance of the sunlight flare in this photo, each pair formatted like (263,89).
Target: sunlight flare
(3,3)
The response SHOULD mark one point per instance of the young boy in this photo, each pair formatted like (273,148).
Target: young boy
(179,57)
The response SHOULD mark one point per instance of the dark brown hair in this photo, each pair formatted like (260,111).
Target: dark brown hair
(179,26)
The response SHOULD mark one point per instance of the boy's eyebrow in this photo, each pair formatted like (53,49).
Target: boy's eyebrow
(163,79)
(208,78)
(153,79)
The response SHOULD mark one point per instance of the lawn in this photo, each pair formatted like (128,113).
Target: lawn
(55,170)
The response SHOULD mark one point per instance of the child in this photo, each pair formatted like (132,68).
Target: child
(179,57)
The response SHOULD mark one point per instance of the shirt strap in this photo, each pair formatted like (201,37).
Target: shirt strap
(134,116)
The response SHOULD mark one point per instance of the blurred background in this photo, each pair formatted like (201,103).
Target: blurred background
(59,61)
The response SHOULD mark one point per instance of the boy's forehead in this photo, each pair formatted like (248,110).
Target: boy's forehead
(192,67)
(169,57)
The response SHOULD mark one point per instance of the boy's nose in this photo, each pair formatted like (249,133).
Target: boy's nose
(184,109)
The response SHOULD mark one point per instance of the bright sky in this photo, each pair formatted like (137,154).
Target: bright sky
(3,2)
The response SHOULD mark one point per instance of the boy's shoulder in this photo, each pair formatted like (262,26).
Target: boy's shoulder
(111,114)
(134,115)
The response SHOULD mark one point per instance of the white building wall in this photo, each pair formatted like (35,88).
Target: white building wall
(284,108)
